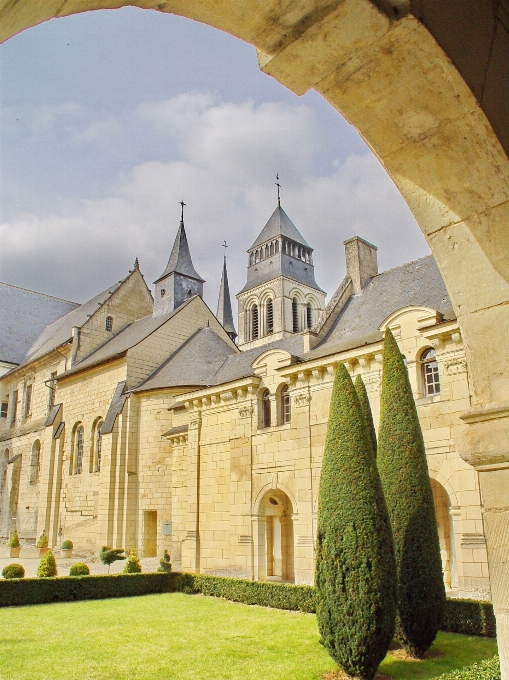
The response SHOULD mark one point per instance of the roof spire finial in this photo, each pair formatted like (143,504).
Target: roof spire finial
(182,213)
(278,188)
(136,264)
(225,246)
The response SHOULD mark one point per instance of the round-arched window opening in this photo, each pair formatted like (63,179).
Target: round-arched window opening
(163,292)
(430,374)
(270,318)
(309,315)
(266,409)
(295,315)
(286,406)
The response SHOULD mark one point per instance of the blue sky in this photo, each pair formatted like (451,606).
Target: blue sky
(110,118)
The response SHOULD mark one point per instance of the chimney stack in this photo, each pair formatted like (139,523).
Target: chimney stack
(361,262)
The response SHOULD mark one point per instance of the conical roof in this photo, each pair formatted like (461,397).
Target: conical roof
(224,305)
(180,261)
(280,224)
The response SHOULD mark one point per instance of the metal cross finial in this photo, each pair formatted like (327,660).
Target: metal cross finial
(278,188)
(182,214)
(225,246)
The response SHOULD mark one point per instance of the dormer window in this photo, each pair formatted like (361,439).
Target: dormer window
(109,324)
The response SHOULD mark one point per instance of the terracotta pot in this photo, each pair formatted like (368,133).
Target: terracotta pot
(65,553)
(42,551)
(13,552)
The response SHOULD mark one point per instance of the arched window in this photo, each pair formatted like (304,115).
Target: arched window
(109,324)
(271,249)
(286,406)
(254,322)
(270,317)
(430,375)
(266,409)
(95,446)
(295,315)
(35,461)
(277,246)
(309,315)
(78,450)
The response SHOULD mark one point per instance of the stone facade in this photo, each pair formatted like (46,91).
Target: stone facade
(161,434)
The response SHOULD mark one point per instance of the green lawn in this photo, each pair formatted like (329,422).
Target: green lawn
(184,637)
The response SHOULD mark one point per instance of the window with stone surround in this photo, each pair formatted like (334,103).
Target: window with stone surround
(5,408)
(254,322)
(109,324)
(76,466)
(270,317)
(295,315)
(266,409)
(95,458)
(430,375)
(286,406)
(28,400)
(309,315)
(35,461)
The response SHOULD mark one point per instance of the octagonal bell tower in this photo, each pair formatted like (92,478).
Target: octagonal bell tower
(281,296)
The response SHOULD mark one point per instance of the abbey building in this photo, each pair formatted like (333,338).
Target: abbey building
(144,420)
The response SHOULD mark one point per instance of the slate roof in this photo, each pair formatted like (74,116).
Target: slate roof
(24,314)
(200,362)
(279,224)
(127,337)
(180,261)
(60,332)
(194,363)
(416,283)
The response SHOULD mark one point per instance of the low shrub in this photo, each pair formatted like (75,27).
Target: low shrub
(489,669)
(79,569)
(43,540)
(14,540)
(469,617)
(47,566)
(67,588)
(13,571)
(133,565)
(67,545)
(164,563)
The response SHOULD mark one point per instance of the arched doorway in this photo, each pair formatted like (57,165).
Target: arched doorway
(445,534)
(276,524)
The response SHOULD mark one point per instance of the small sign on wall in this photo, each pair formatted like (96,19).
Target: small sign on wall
(166,528)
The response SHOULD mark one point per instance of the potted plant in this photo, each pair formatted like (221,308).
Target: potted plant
(14,546)
(66,549)
(42,543)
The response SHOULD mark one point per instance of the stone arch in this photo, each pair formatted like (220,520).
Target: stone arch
(445,527)
(421,83)
(275,537)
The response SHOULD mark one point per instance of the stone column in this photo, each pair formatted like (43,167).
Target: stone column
(455,513)
(191,544)
(485,445)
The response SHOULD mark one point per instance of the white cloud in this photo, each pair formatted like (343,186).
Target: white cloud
(224,168)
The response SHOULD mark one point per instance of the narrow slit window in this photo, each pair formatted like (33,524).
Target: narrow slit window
(14,407)
(254,322)
(286,406)
(309,315)
(295,315)
(109,324)
(28,400)
(78,451)
(266,409)
(270,318)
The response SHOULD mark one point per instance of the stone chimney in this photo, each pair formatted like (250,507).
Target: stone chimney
(361,262)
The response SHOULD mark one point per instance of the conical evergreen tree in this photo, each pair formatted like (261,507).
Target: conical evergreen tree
(405,480)
(360,388)
(355,568)
(133,564)
(47,566)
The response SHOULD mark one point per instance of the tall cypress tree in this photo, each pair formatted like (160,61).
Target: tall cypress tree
(360,388)
(355,569)
(405,480)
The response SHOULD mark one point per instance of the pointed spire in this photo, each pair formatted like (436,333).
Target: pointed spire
(180,261)
(136,264)
(224,305)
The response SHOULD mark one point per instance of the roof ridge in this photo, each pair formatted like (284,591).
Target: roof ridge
(400,266)
(36,292)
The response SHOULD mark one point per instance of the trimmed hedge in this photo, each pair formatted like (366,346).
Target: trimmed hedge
(489,669)
(469,617)
(69,588)
(265,594)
